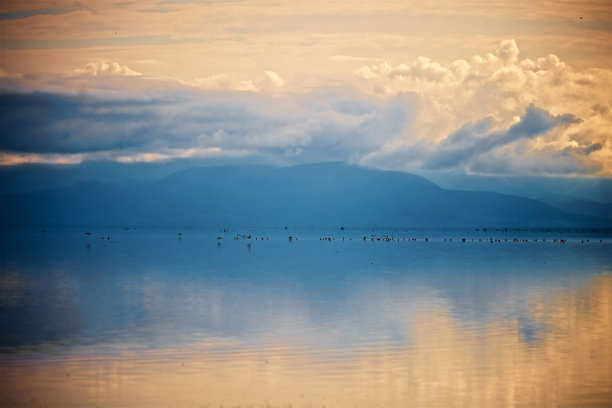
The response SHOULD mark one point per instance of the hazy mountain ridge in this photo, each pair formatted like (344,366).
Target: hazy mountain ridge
(578,205)
(578,195)
(328,194)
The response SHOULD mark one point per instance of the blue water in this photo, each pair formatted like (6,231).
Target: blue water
(145,291)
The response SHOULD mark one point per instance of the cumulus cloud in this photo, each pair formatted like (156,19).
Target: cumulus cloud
(499,87)
(105,68)
(270,81)
(224,82)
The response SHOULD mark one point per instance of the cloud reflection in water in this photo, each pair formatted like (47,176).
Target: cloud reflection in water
(447,363)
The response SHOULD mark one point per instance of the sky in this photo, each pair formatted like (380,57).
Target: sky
(473,87)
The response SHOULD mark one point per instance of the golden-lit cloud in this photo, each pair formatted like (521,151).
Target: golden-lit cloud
(7,159)
(268,82)
(500,85)
(180,154)
(104,68)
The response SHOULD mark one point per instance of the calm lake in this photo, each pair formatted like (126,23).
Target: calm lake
(210,318)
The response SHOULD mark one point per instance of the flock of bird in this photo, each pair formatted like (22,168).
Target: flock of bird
(102,237)
(387,238)
(384,238)
(375,238)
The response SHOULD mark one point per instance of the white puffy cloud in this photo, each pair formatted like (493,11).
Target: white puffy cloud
(224,82)
(270,81)
(273,79)
(105,68)
(502,87)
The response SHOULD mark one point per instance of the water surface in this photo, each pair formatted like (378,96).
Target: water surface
(147,317)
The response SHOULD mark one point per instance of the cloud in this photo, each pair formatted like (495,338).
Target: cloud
(478,148)
(351,58)
(493,113)
(202,124)
(224,82)
(270,81)
(469,108)
(8,159)
(105,68)
(6,76)
(474,140)
(18,15)
(498,84)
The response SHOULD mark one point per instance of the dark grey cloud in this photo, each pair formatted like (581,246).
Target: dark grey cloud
(50,123)
(17,15)
(296,128)
(476,139)
(479,147)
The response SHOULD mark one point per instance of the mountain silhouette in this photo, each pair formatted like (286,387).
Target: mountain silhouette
(317,195)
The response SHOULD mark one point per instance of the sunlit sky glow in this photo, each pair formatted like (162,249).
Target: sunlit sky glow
(490,87)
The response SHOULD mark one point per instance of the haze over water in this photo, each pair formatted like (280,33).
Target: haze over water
(151,318)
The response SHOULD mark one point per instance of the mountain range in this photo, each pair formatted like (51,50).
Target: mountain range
(317,195)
